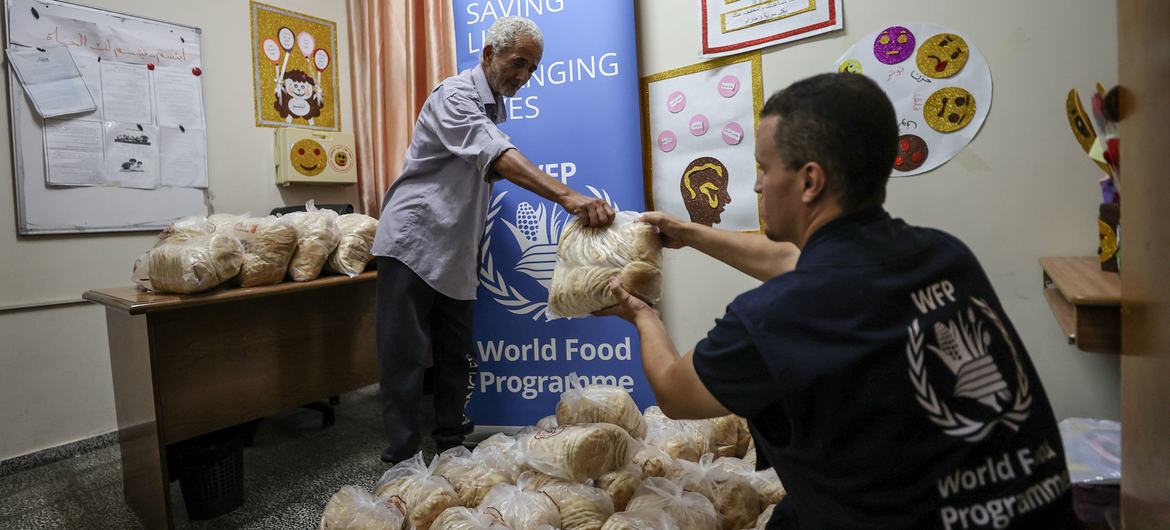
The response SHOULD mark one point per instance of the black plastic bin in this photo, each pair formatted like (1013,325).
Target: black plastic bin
(210,469)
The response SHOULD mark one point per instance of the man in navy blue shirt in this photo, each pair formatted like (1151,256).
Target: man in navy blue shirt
(877,370)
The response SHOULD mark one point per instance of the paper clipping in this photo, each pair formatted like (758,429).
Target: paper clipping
(73,152)
(132,155)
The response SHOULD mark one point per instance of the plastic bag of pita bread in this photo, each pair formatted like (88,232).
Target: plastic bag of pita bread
(354,247)
(417,491)
(725,435)
(765,516)
(640,520)
(463,518)
(733,496)
(601,404)
(743,437)
(587,257)
(269,243)
(353,508)
(317,237)
(532,480)
(653,462)
(621,484)
(682,439)
(520,510)
(578,452)
(501,453)
(687,508)
(766,482)
(547,422)
(471,477)
(581,506)
(188,261)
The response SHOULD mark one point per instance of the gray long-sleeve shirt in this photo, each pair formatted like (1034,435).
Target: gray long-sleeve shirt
(433,215)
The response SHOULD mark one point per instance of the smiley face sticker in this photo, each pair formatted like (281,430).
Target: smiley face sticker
(942,55)
(912,152)
(341,158)
(949,109)
(851,66)
(893,45)
(308,157)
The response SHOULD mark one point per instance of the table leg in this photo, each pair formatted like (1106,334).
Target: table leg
(144,467)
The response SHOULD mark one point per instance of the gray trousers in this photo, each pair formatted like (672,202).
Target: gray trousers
(410,316)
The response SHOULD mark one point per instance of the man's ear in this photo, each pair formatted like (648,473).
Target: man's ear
(488,53)
(814,182)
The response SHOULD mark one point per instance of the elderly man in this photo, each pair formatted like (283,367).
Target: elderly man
(877,370)
(429,232)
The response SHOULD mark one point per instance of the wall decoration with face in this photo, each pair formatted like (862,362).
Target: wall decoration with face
(300,98)
(942,55)
(893,45)
(704,190)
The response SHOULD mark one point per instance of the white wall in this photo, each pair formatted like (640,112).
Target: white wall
(1021,190)
(54,363)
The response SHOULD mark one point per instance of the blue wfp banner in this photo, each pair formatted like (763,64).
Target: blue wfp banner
(578,119)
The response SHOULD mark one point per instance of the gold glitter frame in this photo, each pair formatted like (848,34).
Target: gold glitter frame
(812,6)
(262,79)
(648,142)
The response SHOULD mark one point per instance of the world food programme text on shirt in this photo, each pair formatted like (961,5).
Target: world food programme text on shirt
(433,215)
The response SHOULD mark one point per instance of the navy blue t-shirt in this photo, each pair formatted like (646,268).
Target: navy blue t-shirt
(883,381)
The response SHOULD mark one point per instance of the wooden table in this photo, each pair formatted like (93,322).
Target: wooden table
(185,365)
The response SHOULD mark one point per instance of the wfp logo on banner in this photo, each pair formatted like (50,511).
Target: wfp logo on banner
(536,237)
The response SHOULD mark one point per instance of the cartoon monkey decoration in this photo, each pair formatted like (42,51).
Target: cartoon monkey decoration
(298,96)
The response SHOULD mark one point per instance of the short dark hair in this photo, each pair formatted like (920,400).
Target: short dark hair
(845,123)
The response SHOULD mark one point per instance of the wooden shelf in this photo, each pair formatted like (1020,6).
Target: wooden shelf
(1085,300)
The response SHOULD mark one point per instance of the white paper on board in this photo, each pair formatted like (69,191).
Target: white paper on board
(91,74)
(51,80)
(74,154)
(184,158)
(126,93)
(178,96)
(132,155)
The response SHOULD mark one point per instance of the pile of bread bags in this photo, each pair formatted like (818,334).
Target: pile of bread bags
(196,254)
(598,463)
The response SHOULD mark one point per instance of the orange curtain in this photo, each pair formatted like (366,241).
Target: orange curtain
(399,49)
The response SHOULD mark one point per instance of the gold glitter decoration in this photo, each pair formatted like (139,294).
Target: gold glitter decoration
(942,55)
(949,109)
(648,141)
(266,23)
(1108,241)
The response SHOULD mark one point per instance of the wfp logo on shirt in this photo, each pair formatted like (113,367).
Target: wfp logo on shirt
(967,391)
(536,232)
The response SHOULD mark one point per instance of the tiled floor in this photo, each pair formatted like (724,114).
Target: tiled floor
(289,475)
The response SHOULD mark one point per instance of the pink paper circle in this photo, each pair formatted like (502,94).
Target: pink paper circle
(676,102)
(667,141)
(728,86)
(733,133)
(699,125)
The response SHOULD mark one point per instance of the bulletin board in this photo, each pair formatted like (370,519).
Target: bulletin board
(117,38)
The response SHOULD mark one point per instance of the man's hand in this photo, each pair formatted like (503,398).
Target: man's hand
(590,210)
(629,307)
(669,226)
